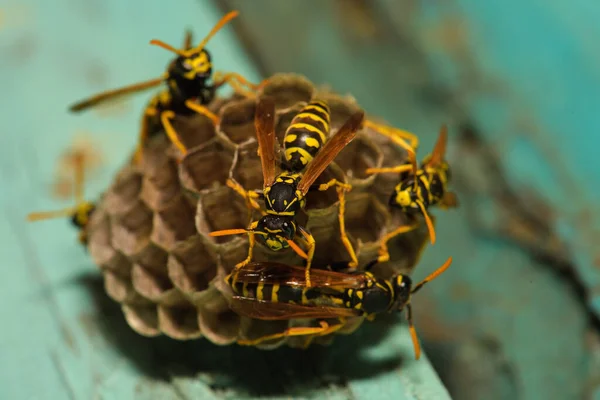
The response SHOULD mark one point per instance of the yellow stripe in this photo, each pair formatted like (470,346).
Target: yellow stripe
(390,292)
(291,213)
(275,293)
(308,127)
(259,291)
(314,117)
(304,299)
(317,105)
(305,156)
(245,289)
(290,137)
(312,142)
(427,184)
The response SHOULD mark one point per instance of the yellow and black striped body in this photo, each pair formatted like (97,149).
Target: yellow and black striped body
(81,219)
(305,135)
(373,296)
(430,189)
(276,293)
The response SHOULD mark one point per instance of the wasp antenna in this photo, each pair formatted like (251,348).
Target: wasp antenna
(166,46)
(227,232)
(42,215)
(433,275)
(79,178)
(297,249)
(428,221)
(228,17)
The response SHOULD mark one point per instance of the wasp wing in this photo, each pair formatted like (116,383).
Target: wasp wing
(330,150)
(264,122)
(439,150)
(282,274)
(267,310)
(188,39)
(450,200)
(115,93)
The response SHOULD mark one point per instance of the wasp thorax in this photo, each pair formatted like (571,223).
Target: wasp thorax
(281,197)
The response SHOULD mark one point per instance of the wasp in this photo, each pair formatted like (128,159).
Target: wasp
(420,188)
(274,291)
(188,88)
(81,213)
(306,157)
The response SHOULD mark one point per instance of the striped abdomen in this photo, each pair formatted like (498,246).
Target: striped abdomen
(275,293)
(306,134)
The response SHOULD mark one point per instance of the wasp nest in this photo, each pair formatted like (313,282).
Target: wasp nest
(149,234)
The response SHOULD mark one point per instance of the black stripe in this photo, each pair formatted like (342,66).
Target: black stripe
(324,110)
(267,292)
(238,288)
(288,294)
(300,141)
(308,121)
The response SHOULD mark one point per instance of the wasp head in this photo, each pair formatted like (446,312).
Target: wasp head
(81,217)
(190,72)
(402,287)
(405,196)
(275,231)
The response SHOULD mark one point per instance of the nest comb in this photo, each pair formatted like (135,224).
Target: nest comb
(149,233)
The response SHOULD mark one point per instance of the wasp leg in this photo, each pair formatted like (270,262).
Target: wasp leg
(384,254)
(398,136)
(237,81)
(200,109)
(165,118)
(331,329)
(248,195)
(143,137)
(334,182)
(397,169)
(251,243)
(344,236)
(323,329)
(413,332)
(310,243)
(342,188)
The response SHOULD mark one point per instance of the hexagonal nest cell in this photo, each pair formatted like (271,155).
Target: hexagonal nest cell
(149,234)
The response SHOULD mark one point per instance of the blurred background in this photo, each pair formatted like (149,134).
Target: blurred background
(517,83)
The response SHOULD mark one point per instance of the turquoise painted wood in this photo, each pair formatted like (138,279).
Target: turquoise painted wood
(60,336)
(499,325)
